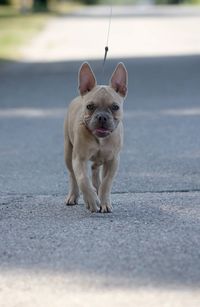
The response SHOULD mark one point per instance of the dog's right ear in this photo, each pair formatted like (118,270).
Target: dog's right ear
(87,80)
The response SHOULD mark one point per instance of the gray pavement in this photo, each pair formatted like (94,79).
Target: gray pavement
(145,253)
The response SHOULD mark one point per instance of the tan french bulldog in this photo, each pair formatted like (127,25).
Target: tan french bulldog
(94,132)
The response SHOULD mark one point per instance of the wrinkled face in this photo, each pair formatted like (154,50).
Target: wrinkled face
(103,110)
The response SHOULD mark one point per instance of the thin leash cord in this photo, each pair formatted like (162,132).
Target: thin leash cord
(107,41)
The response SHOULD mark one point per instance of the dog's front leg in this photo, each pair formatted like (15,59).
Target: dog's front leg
(109,171)
(89,194)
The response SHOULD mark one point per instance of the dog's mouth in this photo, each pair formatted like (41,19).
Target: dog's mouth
(102,132)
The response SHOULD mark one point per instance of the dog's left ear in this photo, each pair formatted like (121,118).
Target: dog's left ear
(119,80)
(86,79)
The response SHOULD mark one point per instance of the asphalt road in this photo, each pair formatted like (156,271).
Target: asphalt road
(145,253)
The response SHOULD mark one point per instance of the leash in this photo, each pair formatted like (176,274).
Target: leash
(108,35)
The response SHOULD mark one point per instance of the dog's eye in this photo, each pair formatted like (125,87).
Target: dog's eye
(115,107)
(90,107)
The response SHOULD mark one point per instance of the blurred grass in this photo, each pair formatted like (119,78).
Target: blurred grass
(17,29)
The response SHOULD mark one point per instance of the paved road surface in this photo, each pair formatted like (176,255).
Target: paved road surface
(145,253)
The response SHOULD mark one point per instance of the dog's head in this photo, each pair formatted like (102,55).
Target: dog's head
(102,105)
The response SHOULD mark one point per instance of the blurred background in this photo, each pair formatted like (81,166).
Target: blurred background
(20,20)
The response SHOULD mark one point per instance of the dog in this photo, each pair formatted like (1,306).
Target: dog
(93,132)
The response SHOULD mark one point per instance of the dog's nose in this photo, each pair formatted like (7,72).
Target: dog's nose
(102,118)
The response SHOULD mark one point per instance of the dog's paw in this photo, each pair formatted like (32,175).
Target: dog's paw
(105,208)
(92,203)
(71,200)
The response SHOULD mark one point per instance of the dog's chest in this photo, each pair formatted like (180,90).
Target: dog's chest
(102,153)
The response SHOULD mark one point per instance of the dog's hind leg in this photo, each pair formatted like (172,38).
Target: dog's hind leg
(73,195)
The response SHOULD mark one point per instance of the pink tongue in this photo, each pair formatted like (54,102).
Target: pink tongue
(101,130)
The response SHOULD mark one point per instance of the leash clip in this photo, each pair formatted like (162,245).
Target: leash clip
(105,55)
